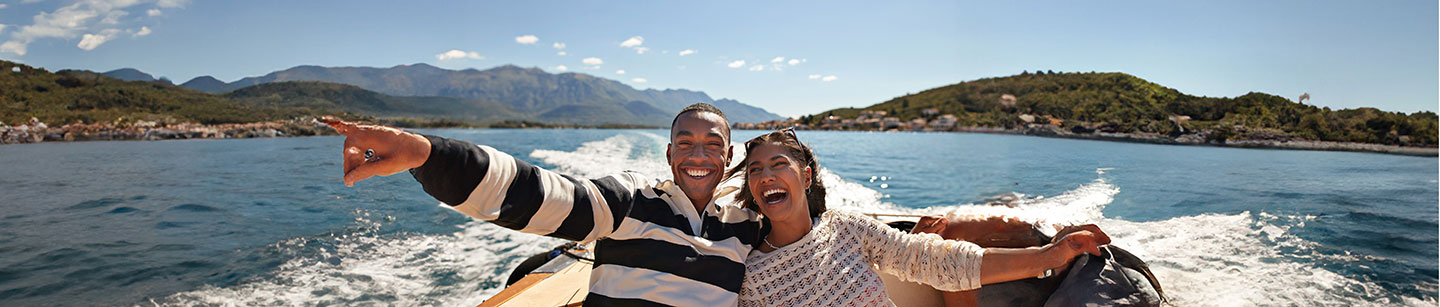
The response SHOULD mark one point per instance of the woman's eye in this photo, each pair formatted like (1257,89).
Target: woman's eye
(754,170)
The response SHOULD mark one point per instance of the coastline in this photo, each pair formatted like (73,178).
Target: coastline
(149,131)
(38,132)
(1189,140)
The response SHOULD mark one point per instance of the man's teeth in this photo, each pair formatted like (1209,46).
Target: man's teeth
(697,172)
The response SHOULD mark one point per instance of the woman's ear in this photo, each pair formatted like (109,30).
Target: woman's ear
(808,177)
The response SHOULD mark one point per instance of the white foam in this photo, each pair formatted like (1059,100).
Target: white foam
(608,157)
(401,270)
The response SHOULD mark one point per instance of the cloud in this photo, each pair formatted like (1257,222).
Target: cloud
(558,45)
(458,54)
(777,60)
(13,47)
(793,62)
(90,41)
(153,12)
(687,52)
(526,39)
(639,80)
(641,50)
(829,78)
(113,17)
(736,64)
(171,3)
(592,61)
(561,68)
(143,31)
(78,20)
(633,42)
(814,76)
(620,72)
(757,68)
(561,53)
(2,6)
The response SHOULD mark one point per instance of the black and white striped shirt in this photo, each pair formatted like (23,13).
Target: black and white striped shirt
(651,247)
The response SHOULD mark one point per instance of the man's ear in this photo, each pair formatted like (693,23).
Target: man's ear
(729,155)
(667,152)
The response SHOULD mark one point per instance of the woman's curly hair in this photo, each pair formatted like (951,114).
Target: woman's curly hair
(815,193)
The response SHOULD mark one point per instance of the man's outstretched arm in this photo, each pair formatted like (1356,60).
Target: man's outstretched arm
(490,185)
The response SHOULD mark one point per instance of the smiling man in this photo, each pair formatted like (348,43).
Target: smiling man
(656,242)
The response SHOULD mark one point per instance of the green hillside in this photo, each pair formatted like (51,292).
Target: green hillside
(1123,103)
(68,96)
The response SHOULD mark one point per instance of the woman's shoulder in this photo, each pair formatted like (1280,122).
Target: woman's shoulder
(849,220)
(842,214)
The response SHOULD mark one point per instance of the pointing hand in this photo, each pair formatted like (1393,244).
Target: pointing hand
(378,150)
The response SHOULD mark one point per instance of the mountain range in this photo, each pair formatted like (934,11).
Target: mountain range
(527,93)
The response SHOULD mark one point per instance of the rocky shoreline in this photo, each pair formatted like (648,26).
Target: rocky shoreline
(36,131)
(1203,139)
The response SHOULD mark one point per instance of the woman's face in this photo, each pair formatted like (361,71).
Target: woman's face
(777,181)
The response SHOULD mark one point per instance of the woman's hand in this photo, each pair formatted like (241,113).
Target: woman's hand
(1074,241)
(378,150)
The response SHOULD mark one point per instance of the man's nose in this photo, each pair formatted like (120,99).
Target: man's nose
(698,153)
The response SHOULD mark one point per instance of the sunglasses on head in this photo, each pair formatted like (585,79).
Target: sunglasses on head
(787,131)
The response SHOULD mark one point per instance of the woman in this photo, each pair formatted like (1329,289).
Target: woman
(816,257)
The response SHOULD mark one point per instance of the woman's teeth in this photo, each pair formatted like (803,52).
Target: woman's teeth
(775,196)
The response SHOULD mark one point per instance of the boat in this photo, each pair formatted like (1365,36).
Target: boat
(1117,278)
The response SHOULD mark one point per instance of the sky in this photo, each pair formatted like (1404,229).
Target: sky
(790,57)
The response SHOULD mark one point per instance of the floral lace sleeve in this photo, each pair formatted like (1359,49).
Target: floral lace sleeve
(947,265)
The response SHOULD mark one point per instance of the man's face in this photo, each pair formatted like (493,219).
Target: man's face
(698,153)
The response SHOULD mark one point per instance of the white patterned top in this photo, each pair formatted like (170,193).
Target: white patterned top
(833,264)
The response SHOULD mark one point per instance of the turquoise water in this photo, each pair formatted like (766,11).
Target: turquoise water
(267,221)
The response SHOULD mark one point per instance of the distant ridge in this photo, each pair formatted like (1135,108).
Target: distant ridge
(131,74)
(330,98)
(207,84)
(570,98)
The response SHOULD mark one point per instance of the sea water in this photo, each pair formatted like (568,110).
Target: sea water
(268,221)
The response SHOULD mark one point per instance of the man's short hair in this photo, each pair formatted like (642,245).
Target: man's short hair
(703,107)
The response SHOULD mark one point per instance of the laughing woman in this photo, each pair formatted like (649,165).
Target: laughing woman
(814,257)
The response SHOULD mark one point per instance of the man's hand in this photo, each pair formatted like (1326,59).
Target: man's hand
(378,150)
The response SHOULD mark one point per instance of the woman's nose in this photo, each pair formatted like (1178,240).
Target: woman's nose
(767,176)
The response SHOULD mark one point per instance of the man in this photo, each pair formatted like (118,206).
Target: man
(656,243)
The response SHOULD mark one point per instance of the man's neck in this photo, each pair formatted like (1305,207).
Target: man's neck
(699,203)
